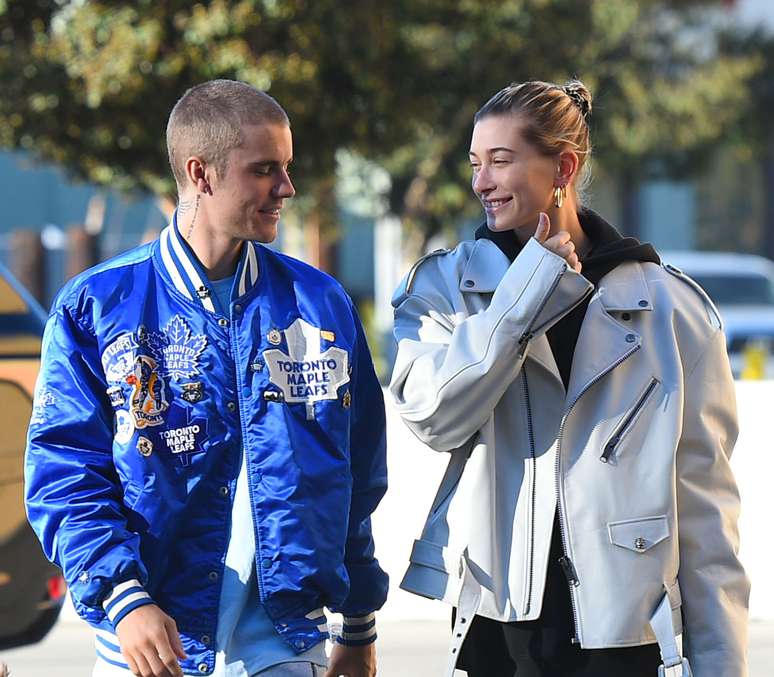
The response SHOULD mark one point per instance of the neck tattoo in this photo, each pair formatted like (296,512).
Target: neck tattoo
(183,207)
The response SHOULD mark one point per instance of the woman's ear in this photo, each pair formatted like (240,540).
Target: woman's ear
(567,169)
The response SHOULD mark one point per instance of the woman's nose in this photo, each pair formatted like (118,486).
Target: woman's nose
(482,181)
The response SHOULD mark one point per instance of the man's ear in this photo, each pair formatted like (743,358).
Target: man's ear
(196,172)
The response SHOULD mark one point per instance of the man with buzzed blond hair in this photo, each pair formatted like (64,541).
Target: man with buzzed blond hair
(207,442)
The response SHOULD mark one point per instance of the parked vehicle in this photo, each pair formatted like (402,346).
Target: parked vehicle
(742,286)
(31,588)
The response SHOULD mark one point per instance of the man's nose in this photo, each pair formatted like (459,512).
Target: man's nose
(284,187)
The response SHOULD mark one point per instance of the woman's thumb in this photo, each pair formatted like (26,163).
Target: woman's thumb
(541,233)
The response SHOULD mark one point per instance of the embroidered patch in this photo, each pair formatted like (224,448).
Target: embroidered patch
(185,435)
(144,446)
(176,349)
(274,337)
(305,374)
(147,401)
(118,358)
(124,426)
(116,395)
(44,398)
(193,392)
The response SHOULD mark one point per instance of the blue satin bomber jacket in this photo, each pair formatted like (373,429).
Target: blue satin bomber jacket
(147,395)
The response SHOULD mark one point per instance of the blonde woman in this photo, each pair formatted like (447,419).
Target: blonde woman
(586,525)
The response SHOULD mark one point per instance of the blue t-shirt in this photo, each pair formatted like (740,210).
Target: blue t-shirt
(247,641)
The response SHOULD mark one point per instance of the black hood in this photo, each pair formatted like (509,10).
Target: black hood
(608,247)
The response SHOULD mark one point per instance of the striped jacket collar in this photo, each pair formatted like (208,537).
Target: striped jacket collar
(189,277)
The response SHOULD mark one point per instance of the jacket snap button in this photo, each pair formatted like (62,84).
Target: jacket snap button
(469,283)
(202,667)
(205,639)
(231,406)
(639,543)
(643,303)
(631,338)
(213,576)
(237,308)
(223,491)
(223,322)
(266,563)
(626,316)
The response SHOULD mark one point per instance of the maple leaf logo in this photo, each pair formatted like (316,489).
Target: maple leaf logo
(177,349)
(305,373)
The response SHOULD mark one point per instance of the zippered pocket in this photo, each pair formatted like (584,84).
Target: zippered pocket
(626,425)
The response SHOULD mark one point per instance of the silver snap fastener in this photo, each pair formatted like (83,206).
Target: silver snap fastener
(274,337)
(639,543)
(643,303)
(223,491)
(237,308)
(231,406)
(631,338)
(223,322)
(469,283)
(213,576)
(205,639)
(202,667)
(346,400)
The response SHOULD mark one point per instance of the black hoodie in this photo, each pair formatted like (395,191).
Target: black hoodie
(608,250)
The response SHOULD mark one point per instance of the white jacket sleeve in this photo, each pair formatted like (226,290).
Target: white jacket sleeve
(452,368)
(713,584)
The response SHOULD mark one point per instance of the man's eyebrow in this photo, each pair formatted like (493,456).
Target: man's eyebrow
(267,163)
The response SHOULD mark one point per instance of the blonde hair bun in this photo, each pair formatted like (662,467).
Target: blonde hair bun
(579,94)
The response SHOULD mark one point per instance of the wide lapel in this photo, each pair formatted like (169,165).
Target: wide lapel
(485,268)
(605,342)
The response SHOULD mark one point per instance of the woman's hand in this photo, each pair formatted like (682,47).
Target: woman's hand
(560,244)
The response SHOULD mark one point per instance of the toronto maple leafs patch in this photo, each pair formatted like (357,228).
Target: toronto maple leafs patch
(177,349)
(305,373)
(184,435)
(118,358)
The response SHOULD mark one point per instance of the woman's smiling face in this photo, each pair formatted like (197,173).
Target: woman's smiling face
(512,179)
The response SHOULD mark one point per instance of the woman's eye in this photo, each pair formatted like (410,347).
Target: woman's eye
(499,162)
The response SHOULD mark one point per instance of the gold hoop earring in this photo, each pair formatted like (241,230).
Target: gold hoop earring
(193,220)
(560,195)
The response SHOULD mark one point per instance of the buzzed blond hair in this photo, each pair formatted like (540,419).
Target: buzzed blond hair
(208,119)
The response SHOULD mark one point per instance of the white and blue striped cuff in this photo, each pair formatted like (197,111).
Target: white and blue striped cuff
(358,630)
(125,597)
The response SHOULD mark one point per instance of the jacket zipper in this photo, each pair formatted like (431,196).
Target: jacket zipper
(565,561)
(618,435)
(526,337)
(531,433)
(246,459)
